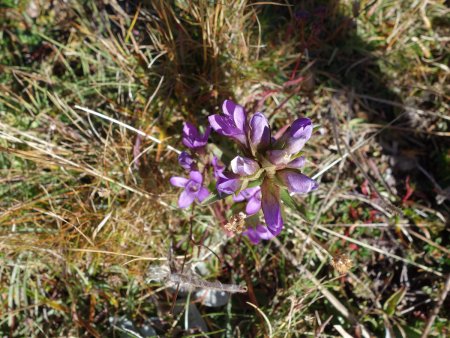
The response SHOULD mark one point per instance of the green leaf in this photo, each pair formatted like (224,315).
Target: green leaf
(288,200)
(214,197)
(391,304)
(291,203)
(406,331)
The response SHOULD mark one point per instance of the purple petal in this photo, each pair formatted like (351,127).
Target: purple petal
(196,177)
(244,166)
(239,117)
(236,113)
(190,133)
(205,135)
(297,163)
(271,206)
(246,194)
(186,161)
(264,233)
(217,168)
(239,197)
(227,183)
(189,129)
(259,131)
(255,235)
(299,133)
(223,125)
(228,107)
(278,157)
(296,182)
(178,181)
(253,205)
(301,127)
(202,194)
(202,140)
(186,199)
(192,138)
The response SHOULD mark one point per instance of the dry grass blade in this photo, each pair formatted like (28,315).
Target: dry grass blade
(371,247)
(269,326)
(137,131)
(436,308)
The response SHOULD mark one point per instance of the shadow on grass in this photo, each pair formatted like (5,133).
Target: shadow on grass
(348,65)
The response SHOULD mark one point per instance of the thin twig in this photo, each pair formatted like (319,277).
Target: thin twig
(137,131)
(374,248)
(356,147)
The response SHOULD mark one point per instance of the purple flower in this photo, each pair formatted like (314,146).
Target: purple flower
(244,166)
(276,161)
(253,196)
(232,122)
(259,132)
(192,138)
(296,163)
(217,168)
(291,142)
(255,235)
(299,133)
(271,206)
(192,188)
(296,182)
(227,183)
(186,161)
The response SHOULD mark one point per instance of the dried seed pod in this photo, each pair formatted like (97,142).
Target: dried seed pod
(342,263)
(236,223)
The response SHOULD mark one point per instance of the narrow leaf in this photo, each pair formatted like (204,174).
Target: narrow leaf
(391,304)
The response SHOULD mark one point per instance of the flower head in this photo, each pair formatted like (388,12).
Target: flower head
(193,189)
(273,164)
(232,123)
(192,138)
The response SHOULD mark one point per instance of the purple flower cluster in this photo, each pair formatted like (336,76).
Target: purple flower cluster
(265,166)
(193,186)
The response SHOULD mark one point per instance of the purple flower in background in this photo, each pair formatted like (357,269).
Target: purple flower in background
(255,235)
(193,188)
(186,161)
(217,168)
(232,123)
(253,196)
(192,138)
